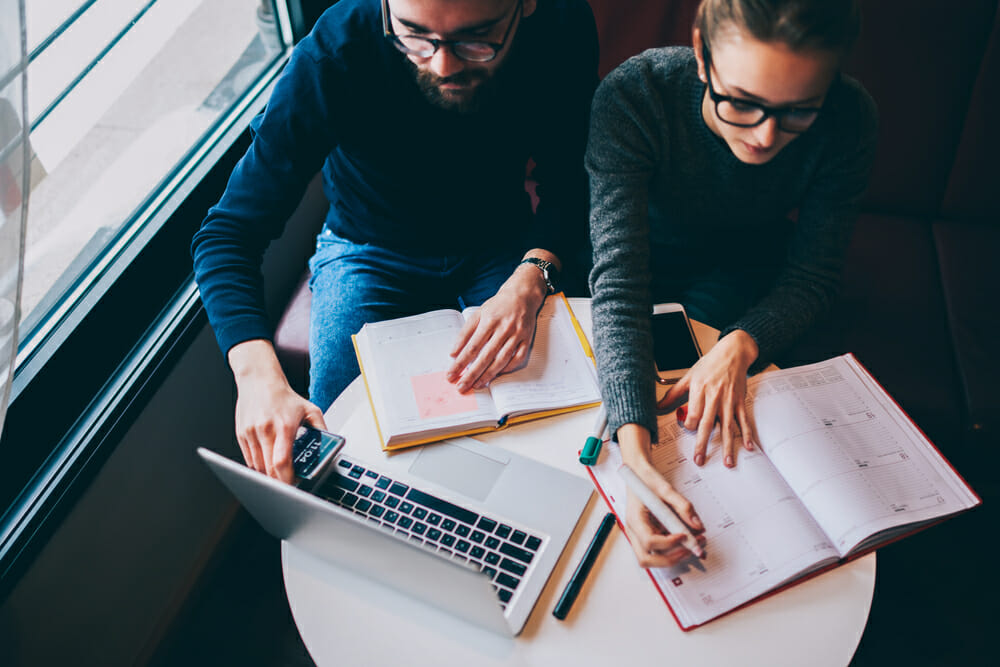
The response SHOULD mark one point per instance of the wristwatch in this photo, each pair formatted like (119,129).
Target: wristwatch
(549,271)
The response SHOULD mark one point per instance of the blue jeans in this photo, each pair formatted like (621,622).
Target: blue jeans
(353,283)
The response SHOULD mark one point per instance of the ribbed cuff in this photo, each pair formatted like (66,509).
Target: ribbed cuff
(630,403)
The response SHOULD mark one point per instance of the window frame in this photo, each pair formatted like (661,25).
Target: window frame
(118,339)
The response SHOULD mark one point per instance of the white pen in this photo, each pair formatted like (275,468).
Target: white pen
(663,512)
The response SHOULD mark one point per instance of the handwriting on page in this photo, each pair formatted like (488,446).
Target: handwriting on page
(436,397)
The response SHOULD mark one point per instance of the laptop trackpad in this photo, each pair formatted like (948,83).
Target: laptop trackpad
(458,469)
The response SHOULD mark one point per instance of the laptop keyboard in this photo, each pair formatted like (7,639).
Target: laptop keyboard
(502,551)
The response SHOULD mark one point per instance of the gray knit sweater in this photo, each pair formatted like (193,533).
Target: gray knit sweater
(664,187)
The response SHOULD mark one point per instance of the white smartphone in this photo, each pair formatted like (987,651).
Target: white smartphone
(675,348)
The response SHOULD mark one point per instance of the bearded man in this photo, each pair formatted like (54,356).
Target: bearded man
(423,116)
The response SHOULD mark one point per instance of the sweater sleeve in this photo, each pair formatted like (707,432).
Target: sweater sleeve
(289,142)
(810,280)
(622,153)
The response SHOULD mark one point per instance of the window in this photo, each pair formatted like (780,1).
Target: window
(137,111)
(121,93)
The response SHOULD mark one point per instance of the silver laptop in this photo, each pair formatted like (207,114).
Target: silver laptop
(468,528)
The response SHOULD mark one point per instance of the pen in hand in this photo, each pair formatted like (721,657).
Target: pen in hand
(663,512)
(583,569)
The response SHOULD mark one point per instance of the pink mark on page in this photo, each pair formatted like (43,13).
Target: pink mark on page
(436,397)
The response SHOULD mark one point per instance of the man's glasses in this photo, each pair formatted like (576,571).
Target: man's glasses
(425,47)
(744,113)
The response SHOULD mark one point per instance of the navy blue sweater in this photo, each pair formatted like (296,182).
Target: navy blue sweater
(398,171)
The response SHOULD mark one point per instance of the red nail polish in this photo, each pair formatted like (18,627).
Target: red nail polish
(682,414)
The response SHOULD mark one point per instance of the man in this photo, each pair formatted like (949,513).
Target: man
(422,115)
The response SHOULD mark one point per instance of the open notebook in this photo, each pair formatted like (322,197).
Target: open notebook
(843,470)
(403,362)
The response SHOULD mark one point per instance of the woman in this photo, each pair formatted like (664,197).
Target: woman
(727,177)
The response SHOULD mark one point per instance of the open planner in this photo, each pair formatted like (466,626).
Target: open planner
(843,470)
(404,361)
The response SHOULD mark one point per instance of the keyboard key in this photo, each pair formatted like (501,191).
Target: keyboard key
(434,519)
(477,536)
(390,517)
(487,524)
(348,500)
(419,528)
(365,490)
(492,542)
(398,489)
(442,506)
(335,494)
(434,534)
(377,510)
(363,505)
(345,482)
(463,530)
(392,501)
(505,579)
(490,572)
(446,552)
(414,538)
(533,543)
(504,594)
(460,559)
(477,552)
(503,530)
(513,567)
(405,522)
(406,508)
(449,524)
(343,463)
(378,496)
(419,513)
(520,554)
(462,546)
(383,482)
(356,472)
(518,537)
(371,473)
(447,539)
(492,558)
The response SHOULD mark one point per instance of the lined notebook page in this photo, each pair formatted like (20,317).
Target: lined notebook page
(758,534)
(854,460)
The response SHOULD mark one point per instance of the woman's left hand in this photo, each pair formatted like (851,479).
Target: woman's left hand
(716,387)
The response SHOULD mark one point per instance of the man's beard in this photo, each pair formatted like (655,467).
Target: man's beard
(470,101)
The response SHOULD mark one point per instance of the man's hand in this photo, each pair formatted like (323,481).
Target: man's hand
(653,546)
(268,411)
(497,338)
(716,387)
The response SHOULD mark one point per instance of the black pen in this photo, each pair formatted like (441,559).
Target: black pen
(576,581)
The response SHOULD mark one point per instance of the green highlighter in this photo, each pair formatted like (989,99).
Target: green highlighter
(592,448)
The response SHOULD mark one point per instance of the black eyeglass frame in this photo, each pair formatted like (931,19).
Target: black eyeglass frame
(435,44)
(778,113)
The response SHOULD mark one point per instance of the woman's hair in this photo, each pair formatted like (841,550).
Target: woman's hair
(801,25)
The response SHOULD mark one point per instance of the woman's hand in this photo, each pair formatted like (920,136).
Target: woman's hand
(716,387)
(653,546)
(268,411)
(497,337)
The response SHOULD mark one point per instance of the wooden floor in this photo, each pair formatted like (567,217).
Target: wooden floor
(935,601)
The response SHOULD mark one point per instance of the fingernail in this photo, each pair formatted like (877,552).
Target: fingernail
(729,461)
(696,520)
(699,459)
(748,444)
(682,414)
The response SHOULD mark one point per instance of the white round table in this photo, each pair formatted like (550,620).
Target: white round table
(618,618)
